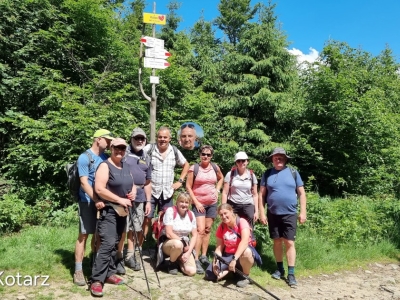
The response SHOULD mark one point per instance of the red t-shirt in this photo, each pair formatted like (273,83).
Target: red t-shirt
(229,237)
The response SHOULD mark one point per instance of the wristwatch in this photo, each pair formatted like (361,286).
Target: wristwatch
(180,180)
(233,257)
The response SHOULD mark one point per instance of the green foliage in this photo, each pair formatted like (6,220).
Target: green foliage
(14,213)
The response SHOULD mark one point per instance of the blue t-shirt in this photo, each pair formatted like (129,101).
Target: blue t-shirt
(281,188)
(140,170)
(83,170)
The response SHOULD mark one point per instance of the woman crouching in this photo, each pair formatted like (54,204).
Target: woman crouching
(179,222)
(233,237)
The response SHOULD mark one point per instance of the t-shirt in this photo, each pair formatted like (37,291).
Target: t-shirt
(204,185)
(182,227)
(241,189)
(229,237)
(281,188)
(140,170)
(83,170)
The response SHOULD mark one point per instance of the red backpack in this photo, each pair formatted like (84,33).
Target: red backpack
(158,224)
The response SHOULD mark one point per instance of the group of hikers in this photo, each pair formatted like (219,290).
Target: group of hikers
(121,193)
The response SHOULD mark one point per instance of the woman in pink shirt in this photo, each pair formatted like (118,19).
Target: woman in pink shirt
(204,182)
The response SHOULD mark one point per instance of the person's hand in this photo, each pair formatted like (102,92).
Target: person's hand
(263,220)
(185,257)
(216,269)
(232,265)
(131,195)
(147,209)
(255,218)
(99,205)
(124,202)
(200,207)
(302,218)
(176,185)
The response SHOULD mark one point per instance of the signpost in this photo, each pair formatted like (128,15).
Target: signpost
(155,58)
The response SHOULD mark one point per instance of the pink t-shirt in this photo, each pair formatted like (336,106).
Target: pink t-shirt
(204,185)
(230,238)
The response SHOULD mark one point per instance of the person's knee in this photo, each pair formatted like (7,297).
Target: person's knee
(83,237)
(201,230)
(247,254)
(288,243)
(207,230)
(189,271)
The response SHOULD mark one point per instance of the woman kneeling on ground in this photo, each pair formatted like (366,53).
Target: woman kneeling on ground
(179,222)
(233,237)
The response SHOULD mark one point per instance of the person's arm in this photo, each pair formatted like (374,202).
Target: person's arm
(303,202)
(261,204)
(225,192)
(147,193)
(189,186)
(244,243)
(101,179)
(220,181)
(169,232)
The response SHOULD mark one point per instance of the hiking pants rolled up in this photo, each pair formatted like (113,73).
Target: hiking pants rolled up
(110,229)
(245,211)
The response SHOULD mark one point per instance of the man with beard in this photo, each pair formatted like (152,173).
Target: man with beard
(140,167)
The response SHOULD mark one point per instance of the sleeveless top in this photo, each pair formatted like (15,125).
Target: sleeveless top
(120,181)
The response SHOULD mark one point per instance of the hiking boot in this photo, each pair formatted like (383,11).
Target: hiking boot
(291,280)
(173,268)
(96,289)
(79,278)
(132,263)
(242,283)
(278,275)
(114,279)
(119,263)
(199,267)
(204,260)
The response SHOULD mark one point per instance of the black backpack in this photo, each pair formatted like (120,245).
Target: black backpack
(73,182)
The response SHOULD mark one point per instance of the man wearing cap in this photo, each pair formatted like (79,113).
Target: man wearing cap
(280,188)
(164,158)
(140,166)
(87,164)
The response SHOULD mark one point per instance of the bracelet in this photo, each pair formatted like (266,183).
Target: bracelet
(148,200)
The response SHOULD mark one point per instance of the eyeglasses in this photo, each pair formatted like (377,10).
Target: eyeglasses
(206,154)
(241,161)
(187,125)
(139,138)
(278,158)
(120,148)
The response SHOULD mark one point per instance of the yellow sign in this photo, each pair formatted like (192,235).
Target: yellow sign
(154,19)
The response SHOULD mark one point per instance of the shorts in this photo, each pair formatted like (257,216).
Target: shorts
(167,248)
(160,203)
(137,219)
(210,211)
(245,211)
(282,226)
(87,217)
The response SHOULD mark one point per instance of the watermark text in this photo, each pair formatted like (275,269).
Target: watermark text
(23,280)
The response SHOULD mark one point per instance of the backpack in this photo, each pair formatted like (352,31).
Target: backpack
(158,224)
(197,166)
(73,182)
(153,146)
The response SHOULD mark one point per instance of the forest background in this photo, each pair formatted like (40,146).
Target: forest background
(69,67)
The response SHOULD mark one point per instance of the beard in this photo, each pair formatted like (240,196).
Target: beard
(137,148)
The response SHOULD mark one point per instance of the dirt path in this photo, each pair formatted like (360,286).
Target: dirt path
(375,281)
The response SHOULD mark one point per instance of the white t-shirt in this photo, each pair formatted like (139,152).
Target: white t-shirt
(180,226)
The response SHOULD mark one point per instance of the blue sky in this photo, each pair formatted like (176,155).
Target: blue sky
(309,24)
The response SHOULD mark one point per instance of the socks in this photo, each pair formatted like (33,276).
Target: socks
(279,264)
(291,270)
(129,253)
(78,266)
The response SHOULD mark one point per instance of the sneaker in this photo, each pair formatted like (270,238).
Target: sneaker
(96,289)
(79,279)
(204,260)
(173,268)
(291,280)
(114,279)
(278,275)
(120,266)
(132,263)
(199,267)
(242,283)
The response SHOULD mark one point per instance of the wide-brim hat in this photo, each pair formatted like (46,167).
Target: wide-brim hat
(279,150)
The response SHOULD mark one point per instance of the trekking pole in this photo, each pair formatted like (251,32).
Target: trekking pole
(221,259)
(144,239)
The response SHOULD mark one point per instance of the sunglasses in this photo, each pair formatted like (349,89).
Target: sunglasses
(120,148)
(139,138)
(241,161)
(187,125)
(206,154)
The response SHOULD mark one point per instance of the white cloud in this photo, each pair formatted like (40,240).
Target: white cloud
(301,57)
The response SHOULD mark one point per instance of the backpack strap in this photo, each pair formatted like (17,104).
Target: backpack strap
(175,152)
(196,168)
(91,160)
(151,150)
(189,212)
